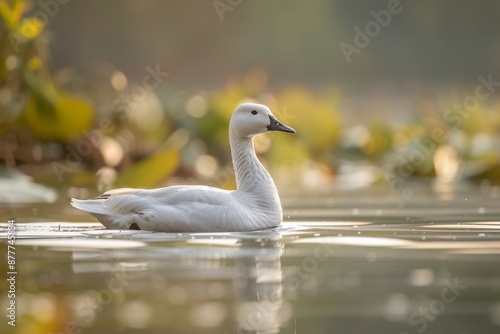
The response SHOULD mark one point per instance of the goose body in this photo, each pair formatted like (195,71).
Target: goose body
(255,204)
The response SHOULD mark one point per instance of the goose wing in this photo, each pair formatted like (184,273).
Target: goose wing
(127,200)
(173,208)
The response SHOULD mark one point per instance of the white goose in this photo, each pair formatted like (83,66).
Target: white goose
(254,205)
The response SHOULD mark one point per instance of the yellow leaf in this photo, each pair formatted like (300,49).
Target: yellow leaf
(287,151)
(35,64)
(150,171)
(73,116)
(11,15)
(30,28)
(5,13)
(318,123)
(224,102)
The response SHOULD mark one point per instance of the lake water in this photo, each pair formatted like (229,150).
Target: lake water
(351,261)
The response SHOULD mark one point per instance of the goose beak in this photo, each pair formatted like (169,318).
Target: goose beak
(276,125)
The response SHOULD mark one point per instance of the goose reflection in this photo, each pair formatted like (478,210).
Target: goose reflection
(258,286)
(176,273)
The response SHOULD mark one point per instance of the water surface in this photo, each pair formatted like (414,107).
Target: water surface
(358,261)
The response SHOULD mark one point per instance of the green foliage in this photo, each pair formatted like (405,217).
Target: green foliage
(29,96)
(43,125)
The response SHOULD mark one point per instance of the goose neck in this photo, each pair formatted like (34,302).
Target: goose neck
(251,176)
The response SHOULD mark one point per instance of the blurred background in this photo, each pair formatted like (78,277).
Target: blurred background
(393,175)
(103,94)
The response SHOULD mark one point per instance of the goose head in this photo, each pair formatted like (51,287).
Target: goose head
(251,119)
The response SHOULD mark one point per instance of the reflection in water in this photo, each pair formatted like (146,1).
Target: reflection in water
(251,264)
(258,288)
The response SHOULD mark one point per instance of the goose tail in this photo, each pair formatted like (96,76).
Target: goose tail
(105,216)
(114,209)
(90,205)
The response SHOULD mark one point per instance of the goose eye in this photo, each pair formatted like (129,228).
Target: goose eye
(254,112)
